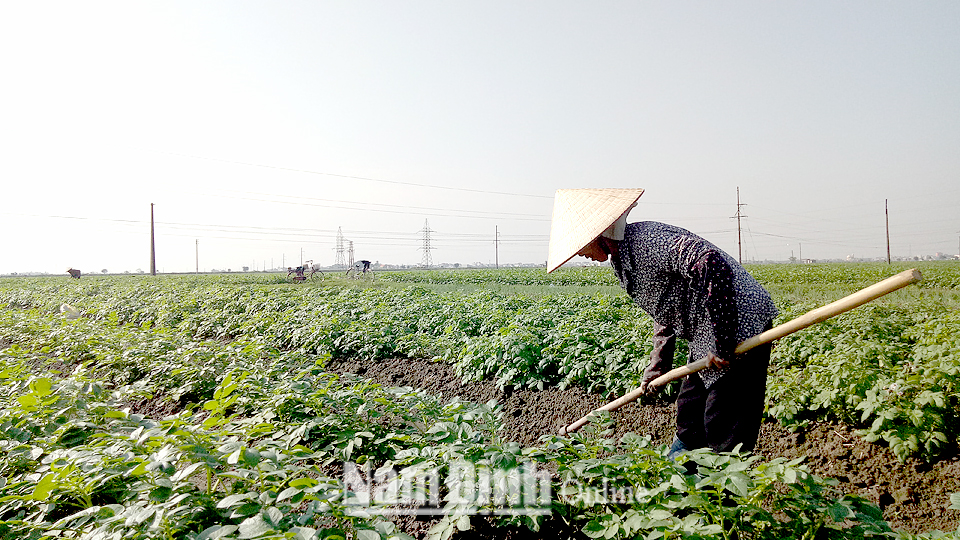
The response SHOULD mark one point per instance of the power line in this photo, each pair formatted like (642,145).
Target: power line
(258,230)
(837,233)
(390,208)
(368,179)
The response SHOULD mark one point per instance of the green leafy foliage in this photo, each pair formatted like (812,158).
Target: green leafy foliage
(628,489)
(259,429)
(892,372)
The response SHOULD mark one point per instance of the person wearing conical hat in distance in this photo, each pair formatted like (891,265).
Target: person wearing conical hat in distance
(692,290)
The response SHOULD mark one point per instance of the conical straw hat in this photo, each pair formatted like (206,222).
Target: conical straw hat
(580,215)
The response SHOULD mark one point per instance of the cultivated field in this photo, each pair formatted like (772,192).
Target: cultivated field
(248,406)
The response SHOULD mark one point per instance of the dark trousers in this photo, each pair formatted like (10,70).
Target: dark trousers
(729,412)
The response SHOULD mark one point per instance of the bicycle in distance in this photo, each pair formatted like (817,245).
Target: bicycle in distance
(361,270)
(308,270)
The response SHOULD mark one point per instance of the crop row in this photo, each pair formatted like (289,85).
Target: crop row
(890,368)
(937,275)
(551,340)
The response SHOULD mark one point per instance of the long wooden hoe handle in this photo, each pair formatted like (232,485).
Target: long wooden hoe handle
(809,318)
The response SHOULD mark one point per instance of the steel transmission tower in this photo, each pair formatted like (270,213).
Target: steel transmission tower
(427,260)
(351,252)
(340,262)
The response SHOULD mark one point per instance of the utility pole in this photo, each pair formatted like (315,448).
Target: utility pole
(738,216)
(496,244)
(197,253)
(886,209)
(153,246)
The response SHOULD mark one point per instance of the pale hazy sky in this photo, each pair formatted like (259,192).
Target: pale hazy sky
(259,129)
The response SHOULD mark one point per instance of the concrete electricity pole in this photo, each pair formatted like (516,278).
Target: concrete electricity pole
(496,245)
(738,216)
(887,211)
(153,250)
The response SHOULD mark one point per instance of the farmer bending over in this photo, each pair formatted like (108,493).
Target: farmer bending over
(361,266)
(298,273)
(692,290)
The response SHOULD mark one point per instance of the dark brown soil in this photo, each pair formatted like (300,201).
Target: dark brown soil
(914,495)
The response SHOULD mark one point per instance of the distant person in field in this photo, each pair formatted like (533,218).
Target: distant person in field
(361,266)
(74,273)
(693,291)
(298,271)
